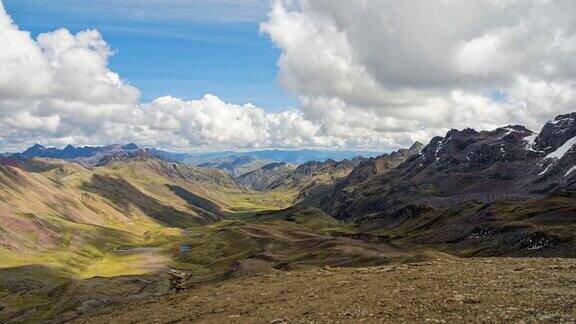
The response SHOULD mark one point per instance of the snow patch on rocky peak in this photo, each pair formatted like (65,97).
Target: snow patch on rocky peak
(572,169)
(530,141)
(561,151)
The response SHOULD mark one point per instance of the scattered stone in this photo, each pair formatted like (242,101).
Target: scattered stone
(177,280)
(464,292)
(385,269)
(420,264)
(560,267)
(461,299)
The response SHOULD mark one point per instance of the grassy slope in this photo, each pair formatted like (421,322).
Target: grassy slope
(292,238)
(58,218)
(133,217)
(229,196)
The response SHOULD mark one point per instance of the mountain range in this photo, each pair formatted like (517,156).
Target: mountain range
(506,191)
(227,160)
(85,228)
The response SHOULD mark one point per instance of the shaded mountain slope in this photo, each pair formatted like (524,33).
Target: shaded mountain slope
(469,192)
(160,178)
(237,165)
(263,178)
(87,155)
(311,181)
(377,166)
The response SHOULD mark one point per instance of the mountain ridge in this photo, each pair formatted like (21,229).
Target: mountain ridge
(469,191)
(71,152)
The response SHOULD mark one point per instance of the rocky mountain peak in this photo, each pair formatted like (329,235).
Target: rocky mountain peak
(273,166)
(556,133)
(34,149)
(139,155)
(416,147)
(130,147)
(468,149)
(69,149)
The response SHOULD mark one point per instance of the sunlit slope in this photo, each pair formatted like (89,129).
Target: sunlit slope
(43,221)
(267,243)
(200,189)
(116,218)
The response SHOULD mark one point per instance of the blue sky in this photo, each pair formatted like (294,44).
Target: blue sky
(183,48)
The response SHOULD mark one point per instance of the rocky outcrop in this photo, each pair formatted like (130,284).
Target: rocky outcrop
(310,172)
(364,172)
(379,165)
(556,133)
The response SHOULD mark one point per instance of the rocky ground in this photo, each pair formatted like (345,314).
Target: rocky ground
(441,290)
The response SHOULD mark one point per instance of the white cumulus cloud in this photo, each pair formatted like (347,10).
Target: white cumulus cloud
(384,73)
(369,74)
(58,89)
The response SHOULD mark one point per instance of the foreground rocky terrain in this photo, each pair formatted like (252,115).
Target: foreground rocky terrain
(439,289)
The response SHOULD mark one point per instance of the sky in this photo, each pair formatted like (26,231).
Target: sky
(190,75)
(181,48)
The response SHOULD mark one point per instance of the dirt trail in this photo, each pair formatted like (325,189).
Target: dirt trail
(447,290)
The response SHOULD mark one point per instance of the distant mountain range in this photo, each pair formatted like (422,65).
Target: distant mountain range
(235,163)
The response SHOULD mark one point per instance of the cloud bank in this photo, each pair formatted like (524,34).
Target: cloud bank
(389,72)
(370,74)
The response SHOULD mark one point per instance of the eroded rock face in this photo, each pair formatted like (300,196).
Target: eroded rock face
(555,133)
(307,173)
(381,164)
(468,150)
(363,173)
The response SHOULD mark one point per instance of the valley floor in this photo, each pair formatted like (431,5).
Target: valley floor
(441,290)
